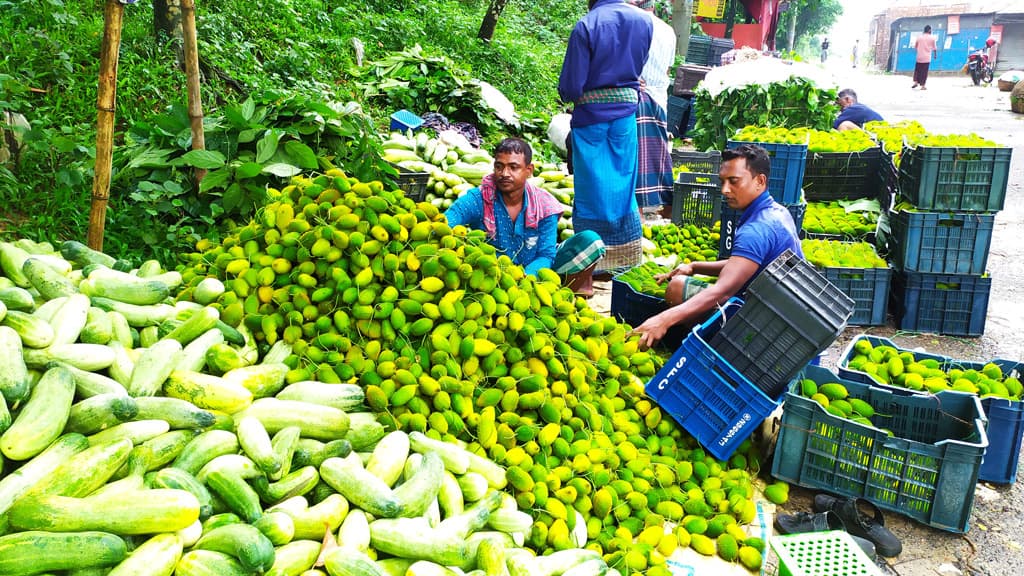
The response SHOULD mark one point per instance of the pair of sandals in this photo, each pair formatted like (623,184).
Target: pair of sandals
(834,513)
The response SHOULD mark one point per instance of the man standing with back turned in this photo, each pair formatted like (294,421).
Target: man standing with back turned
(601,77)
(925,46)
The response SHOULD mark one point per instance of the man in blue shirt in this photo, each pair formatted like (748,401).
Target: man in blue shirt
(600,76)
(521,219)
(854,114)
(765,231)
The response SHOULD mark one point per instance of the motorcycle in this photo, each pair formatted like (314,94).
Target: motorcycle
(979,68)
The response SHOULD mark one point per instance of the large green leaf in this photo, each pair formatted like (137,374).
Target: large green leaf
(208,159)
(215,179)
(248,170)
(267,146)
(302,155)
(282,170)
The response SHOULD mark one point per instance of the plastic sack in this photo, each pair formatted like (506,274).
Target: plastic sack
(558,131)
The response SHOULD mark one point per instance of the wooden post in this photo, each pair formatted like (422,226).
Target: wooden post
(105,103)
(195,104)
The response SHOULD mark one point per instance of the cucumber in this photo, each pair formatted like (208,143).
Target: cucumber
(344,561)
(255,442)
(296,483)
(344,397)
(262,380)
(204,448)
(75,251)
(138,431)
(120,331)
(89,357)
(155,557)
(14,380)
(85,472)
(123,365)
(5,418)
(149,268)
(47,309)
(355,531)
(193,355)
(236,493)
(246,543)
(414,538)
(278,353)
(208,392)
(415,494)
(278,527)
(100,412)
(179,414)
(16,298)
(153,367)
(222,358)
(35,332)
(221,519)
(69,320)
(179,479)
(315,421)
(47,281)
(473,518)
(89,384)
(389,456)
(294,558)
(15,484)
(145,512)
(163,449)
(456,459)
(122,287)
(136,315)
(42,418)
(364,430)
(309,452)
(98,327)
(360,487)
(208,290)
(209,563)
(313,522)
(35,552)
(236,464)
(283,444)
(12,259)
(198,323)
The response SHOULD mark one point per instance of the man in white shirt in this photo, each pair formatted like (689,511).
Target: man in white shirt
(654,171)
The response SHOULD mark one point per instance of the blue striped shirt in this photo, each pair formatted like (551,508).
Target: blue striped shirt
(531,248)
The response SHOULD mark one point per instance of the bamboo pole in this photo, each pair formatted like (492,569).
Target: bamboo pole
(195,104)
(106,99)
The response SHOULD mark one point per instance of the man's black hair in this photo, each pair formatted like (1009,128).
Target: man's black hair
(515,146)
(927,28)
(848,92)
(757,158)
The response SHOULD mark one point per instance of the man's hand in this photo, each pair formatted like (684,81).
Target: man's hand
(681,270)
(651,331)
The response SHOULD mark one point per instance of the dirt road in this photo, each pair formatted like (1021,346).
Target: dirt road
(993,544)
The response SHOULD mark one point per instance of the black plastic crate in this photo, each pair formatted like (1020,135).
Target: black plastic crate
(676,113)
(706,163)
(412,183)
(967,179)
(633,308)
(888,181)
(719,46)
(941,242)
(950,304)
(869,289)
(731,218)
(699,50)
(696,199)
(791,314)
(688,76)
(842,175)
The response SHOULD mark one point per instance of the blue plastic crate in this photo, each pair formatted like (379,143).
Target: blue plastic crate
(731,219)
(968,179)
(632,307)
(1005,417)
(950,304)
(941,242)
(706,395)
(926,469)
(869,289)
(405,120)
(787,169)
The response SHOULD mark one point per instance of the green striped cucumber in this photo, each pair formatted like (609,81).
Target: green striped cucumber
(15,484)
(35,331)
(176,412)
(315,421)
(209,563)
(153,367)
(85,472)
(295,483)
(204,448)
(35,552)
(179,479)
(278,527)
(344,397)
(13,372)
(144,512)
(47,281)
(294,558)
(100,412)
(245,542)
(69,320)
(283,444)
(155,557)
(193,355)
(42,418)
(236,493)
(138,431)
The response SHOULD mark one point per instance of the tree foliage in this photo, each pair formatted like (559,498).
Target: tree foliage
(813,17)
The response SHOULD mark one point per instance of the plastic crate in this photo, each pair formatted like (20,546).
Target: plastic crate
(830,553)
(688,76)
(405,120)
(869,289)
(888,181)
(842,175)
(413,184)
(696,199)
(925,470)
(677,108)
(706,163)
(787,169)
(1005,417)
(792,313)
(706,395)
(951,304)
(941,242)
(691,120)
(719,46)
(632,307)
(699,50)
(730,222)
(968,179)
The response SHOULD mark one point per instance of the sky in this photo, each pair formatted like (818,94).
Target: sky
(854,24)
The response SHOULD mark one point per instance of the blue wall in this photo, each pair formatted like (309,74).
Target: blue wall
(951,59)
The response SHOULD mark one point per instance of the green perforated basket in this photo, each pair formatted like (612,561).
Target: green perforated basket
(831,553)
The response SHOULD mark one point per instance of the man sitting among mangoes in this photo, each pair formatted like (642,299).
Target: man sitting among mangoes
(521,220)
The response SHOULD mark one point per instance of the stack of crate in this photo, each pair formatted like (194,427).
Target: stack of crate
(940,246)
(840,176)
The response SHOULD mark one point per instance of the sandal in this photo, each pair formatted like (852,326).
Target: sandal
(870,526)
